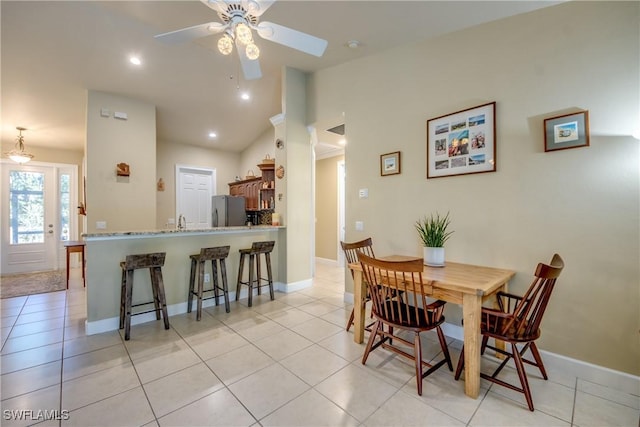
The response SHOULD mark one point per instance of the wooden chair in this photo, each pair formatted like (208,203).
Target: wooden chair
(517,322)
(399,299)
(351,254)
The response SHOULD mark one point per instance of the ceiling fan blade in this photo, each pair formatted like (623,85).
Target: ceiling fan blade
(190,33)
(291,38)
(250,67)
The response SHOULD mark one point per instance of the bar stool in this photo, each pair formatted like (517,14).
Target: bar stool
(254,252)
(198,262)
(154,262)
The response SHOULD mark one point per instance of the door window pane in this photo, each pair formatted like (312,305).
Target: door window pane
(65,197)
(26,207)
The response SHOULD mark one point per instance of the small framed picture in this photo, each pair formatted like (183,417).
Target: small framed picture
(566,131)
(390,163)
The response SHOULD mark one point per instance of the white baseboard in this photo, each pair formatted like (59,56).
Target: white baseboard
(113,323)
(327,261)
(559,363)
(572,367)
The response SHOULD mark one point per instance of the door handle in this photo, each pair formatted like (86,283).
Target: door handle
(50,231)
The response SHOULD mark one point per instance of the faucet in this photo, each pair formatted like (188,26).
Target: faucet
(182,222)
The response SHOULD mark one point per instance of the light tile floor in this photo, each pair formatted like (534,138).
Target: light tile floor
(287,362)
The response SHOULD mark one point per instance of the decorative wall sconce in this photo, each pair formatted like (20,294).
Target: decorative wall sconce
(160,185)
(280,172)
(122,169)
(279,143)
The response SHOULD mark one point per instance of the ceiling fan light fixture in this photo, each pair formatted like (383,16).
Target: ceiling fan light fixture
(243,33)
(225,45)
(18,154)
(252,51)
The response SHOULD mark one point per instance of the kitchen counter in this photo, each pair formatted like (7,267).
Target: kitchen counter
(105,251)
(174,231)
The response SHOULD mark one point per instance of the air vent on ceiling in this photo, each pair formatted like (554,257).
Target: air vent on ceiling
(338,129)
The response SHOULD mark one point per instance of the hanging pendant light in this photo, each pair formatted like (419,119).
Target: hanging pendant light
(18,154)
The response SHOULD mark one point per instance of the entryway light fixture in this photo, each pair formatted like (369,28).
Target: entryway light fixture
(18,154)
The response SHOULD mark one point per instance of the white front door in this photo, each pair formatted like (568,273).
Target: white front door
(29,218)
(193,198)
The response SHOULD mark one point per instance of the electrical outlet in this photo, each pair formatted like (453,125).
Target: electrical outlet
(101,225)
(207,278)
(171,221)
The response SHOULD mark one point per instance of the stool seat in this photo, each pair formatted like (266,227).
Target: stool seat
(257,248)
(154,262)
(216,255)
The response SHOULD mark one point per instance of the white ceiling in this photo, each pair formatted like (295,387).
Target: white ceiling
(54,51)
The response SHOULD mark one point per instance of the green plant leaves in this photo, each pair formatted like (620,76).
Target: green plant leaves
(433,230)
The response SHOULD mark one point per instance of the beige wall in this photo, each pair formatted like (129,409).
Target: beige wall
(226,165)
(124,203)
(298,196)
(582,203)
(252,156)
(327,208)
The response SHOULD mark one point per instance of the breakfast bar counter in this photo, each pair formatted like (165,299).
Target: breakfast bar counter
(105,251)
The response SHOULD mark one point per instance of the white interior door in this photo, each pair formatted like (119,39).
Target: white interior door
(29,218)
(193,198)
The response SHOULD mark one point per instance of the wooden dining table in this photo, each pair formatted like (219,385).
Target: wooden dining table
(464,284)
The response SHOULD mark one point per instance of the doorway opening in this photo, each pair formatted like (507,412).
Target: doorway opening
(38,215)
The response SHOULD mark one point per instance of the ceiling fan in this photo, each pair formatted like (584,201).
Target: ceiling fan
(239,18)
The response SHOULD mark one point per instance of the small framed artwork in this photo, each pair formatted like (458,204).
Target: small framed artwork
(462,143)
(566,131)
(390,163)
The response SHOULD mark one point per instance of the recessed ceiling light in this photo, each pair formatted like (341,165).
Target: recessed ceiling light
(245,96)
(135,60)
(213,135)
(353,44)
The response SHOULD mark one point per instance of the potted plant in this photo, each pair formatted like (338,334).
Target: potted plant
(433,232)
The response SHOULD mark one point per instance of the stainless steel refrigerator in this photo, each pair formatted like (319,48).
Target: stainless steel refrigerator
(227,211)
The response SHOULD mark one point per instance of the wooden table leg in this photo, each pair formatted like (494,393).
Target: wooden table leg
(358,307)
(500,344)
(471,312)
(67,250)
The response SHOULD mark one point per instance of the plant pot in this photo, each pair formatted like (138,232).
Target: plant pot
(433,257)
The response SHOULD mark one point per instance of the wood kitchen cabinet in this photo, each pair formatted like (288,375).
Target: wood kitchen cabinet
(267,187)
(249,189)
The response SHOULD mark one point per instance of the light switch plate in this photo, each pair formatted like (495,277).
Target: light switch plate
(359,226)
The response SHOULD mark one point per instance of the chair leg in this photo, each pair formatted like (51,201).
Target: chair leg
(372,337)
(417,352)
(192,282)
(123,295)
(127,304)
(154,289)
(351,317)
(460,365)
(251,267)
(536,355)
(225,287)
(201,265)
(258,274)
(240,271)
(270,276)
(517,358)
(214,279)
(161,295)
(445,348)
